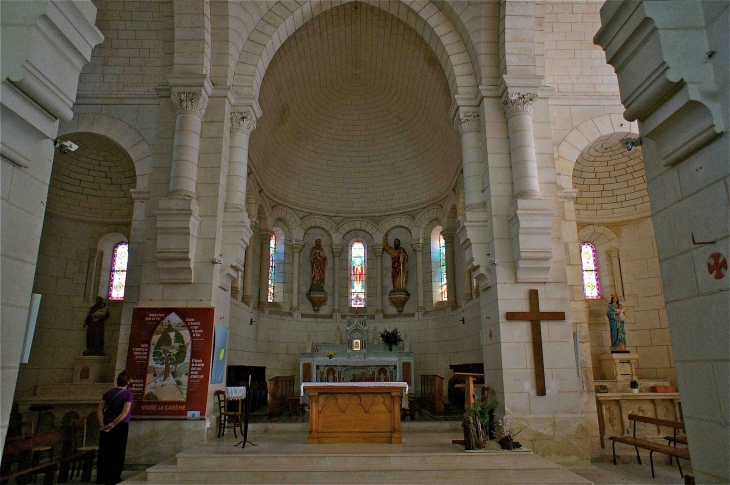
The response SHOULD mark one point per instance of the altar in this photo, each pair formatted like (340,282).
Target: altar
(360,358)
(361,412)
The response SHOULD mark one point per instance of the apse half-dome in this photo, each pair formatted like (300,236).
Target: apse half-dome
(355,119)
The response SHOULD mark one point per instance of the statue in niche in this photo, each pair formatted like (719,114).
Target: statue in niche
(616,322)
(94,324)
(376,335)
(398,296)
(318,258)
(316,294)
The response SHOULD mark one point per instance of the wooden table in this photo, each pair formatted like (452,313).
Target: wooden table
(355,412)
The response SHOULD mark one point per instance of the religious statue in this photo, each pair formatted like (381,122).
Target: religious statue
(94,324)
(376,335)
(618,334)
(398,296)
(316,294)
(338,335)
(309,343)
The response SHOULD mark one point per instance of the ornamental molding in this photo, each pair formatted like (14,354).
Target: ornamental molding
(518,104)
(243,121)
(193,103)
(467,122)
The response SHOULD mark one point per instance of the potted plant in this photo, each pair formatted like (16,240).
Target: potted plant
(330,354)
(509,433)
(634,385)
(391,337)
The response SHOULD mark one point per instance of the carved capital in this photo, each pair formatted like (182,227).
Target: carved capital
(417,247)
(467,122)
(243,121)
(297,247)
(193,103)
(613,253)
(378,250)
(518,104)
(336,251)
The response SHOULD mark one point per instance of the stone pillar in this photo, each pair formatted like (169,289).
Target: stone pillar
(264,272)
(378,250)
(617,278)
(177,214)
(418,248)
(468,284)
(236,225)
(450,273)
(518,109)
(531,223)
(247,297)
(336,270)
(296,248)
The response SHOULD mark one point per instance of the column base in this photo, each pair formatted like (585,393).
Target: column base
(177,233)
(531,233)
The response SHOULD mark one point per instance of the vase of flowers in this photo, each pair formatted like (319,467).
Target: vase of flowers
(391,337)
(330,354)
(634,385)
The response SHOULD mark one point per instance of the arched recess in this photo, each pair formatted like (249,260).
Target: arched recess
(325,224)
(424,221)
(402,221)
(349,225)
(605,242)
(122,133)
(280,22)
(288,221)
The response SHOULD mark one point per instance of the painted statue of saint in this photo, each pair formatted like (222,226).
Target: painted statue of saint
(398,263)
(318,258)
(618,334)
(94,324)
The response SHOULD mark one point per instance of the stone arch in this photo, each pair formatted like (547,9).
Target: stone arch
(586,133)
(120,132)
(436,28)
(424,219)
(290,222)
(323,223)
(349,225)
(402,221)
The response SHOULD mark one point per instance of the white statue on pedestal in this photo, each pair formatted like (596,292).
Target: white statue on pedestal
(308,347)
(338,335)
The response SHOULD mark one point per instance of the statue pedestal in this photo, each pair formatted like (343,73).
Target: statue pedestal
(317,299)
(399,298)
(619,367)
(91,369)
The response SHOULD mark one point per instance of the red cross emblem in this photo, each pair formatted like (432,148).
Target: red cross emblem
(717,266)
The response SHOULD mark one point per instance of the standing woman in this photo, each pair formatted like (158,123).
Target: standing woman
(113,414)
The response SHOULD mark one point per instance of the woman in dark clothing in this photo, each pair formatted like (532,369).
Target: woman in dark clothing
(113,414)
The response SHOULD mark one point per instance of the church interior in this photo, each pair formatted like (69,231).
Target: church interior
(289,182)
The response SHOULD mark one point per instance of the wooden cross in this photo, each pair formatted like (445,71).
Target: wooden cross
(535,316)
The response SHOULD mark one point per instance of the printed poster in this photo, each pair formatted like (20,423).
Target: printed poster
(170,361)
(219,355)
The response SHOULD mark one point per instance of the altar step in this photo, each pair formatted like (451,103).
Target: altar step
(286,458)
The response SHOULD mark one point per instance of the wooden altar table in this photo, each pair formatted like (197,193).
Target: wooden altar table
(355,412)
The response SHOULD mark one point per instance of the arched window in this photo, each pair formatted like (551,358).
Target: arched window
(118,274)
(589,264)
(272,267)
(438,265)
(358,274)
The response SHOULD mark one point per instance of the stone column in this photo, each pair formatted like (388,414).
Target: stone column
(296,248)
(236,225)
(264,272)
(247,297)
(450,273)
(190,108)
(468,284)
(336,270)
(468,124)
(616,265)
(418,248)
(518,109)
(378,250)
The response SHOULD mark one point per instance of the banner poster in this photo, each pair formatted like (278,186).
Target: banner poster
(170,357)
(219,355)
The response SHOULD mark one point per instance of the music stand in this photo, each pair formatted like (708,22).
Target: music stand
(246,414)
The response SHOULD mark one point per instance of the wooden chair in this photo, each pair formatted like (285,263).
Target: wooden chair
(228,419)
(79,447)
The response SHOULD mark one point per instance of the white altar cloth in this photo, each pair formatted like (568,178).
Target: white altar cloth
(402,385)
(236,393)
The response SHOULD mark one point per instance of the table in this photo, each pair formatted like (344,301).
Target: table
(355,412)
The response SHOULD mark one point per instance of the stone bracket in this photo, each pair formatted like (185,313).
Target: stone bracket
(236,236)
(177,234)
(531,234)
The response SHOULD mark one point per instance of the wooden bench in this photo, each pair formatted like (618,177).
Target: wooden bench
(47,468)
(432,394)
(675,439)
(651,445)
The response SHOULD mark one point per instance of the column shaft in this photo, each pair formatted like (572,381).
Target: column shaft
(336,253)
(518,109)
(242,124)
(247,297)
(378,250)
(296,251)
(617,278)
(186,144)
(264,273)
(468,124)
(450,273)
(418,247)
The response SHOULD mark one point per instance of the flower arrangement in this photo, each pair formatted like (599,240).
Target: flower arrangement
(330,353)
(391,337)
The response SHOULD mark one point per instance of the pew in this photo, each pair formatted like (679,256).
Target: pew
(281,388)
(432,393)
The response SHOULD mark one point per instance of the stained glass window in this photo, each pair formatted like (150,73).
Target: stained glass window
(357,275)
(443,290)
(589,262)
(118,274)
(272,266)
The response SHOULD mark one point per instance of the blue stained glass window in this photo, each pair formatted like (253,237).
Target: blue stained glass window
(443,287)
(589,263)
(118,275)
(272,267)
(357,275)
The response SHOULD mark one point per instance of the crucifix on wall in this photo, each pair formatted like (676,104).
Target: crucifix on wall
(535,316)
